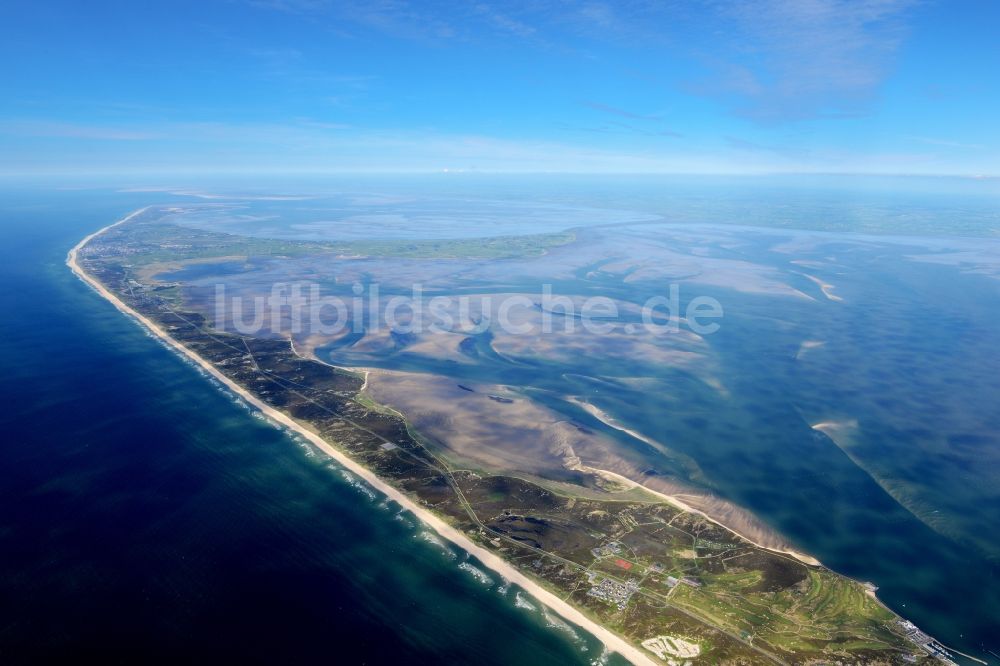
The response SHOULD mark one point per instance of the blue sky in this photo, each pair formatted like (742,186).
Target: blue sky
(863,86)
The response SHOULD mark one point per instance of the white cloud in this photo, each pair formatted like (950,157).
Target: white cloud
(799,59)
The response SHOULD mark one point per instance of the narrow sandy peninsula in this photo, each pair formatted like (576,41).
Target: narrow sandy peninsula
(611,640)
(710,507)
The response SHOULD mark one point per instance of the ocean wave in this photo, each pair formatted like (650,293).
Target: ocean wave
(358,485)
(433,539)
(602,659)
(477,573)
(308,449)
(401,516)
(521,602)
(555,622)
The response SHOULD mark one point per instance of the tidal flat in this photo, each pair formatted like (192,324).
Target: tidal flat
(883,335)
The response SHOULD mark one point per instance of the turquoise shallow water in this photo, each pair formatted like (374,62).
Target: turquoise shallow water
(147,518)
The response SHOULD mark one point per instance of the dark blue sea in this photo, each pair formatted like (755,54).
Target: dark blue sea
(146,517)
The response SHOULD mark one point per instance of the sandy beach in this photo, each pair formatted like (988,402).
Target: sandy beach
(825,287)
(612,641)
(675,501)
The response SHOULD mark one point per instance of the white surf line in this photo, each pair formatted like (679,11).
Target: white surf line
(71,257)
(491,560)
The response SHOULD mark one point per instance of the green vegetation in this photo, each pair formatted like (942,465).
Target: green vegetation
(686,569)
(151,242)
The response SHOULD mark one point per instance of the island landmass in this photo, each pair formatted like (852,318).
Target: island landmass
(653,578)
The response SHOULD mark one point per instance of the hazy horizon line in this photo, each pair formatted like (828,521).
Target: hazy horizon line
(132,173)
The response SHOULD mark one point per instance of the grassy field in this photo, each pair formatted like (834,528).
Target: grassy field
(822,612)
(151,242)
